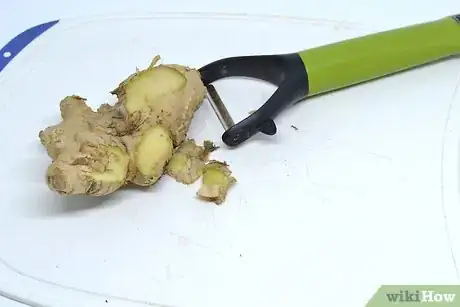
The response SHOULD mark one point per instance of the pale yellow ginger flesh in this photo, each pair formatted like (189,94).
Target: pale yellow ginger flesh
(150,151)
(187,164)
(161,94)
(116,167)
(216,181)
(153,151)
(141,95)
(98,152)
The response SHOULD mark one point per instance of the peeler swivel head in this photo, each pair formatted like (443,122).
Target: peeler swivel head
(285,71)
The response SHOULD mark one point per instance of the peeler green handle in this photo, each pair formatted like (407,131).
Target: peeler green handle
(353,61)
(328,68)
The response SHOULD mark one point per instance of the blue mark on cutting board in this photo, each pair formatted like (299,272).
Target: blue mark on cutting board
(18,43)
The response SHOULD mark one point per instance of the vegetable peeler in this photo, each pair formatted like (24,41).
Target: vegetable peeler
(327,68)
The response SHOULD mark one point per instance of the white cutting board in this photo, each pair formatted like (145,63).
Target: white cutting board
(355,198)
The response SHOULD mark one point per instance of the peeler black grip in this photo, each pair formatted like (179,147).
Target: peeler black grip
(286,71)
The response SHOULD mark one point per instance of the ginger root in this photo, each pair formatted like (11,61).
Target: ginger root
(188,162)
(216,181)
(88,157)
(97,153)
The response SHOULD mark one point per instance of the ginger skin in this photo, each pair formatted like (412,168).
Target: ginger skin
(97,153)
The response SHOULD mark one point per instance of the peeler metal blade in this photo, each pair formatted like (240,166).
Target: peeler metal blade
(267,127)
(219,107)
